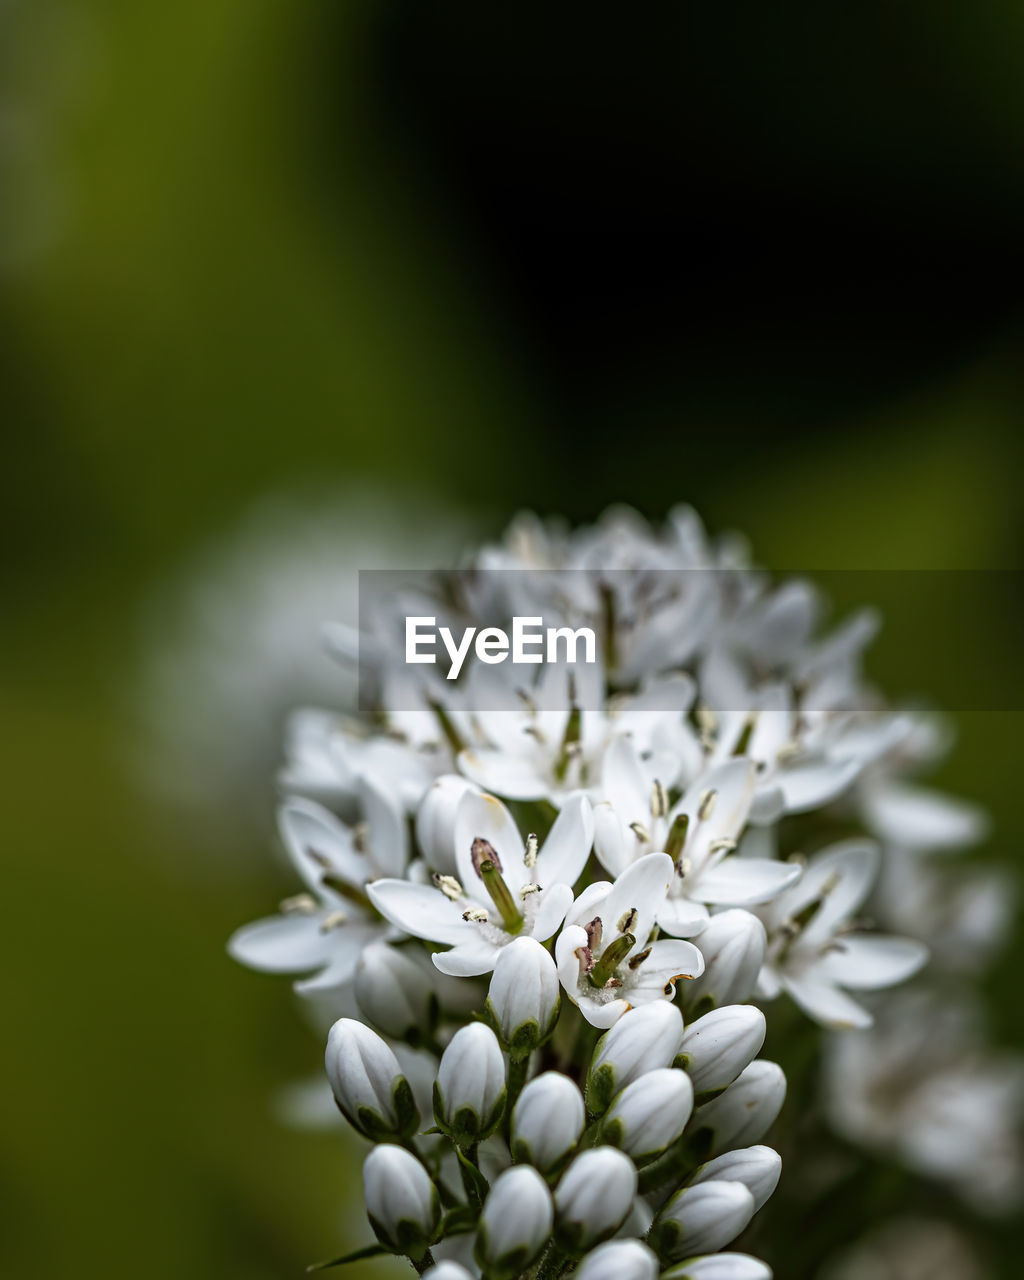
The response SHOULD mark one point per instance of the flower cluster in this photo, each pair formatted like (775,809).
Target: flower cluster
(539,914)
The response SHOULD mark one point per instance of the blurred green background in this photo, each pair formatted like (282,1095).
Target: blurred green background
(768,262)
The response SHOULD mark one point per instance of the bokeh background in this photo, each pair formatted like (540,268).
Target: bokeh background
(371,273)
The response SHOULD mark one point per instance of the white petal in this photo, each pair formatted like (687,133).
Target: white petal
(386,828)
(281,944)
(670,960)
(918,818)
(743,882)
(347,944)
(504,773)
(312,834)
(825,1003)
(682,917)
(614,842)
(623,781)
(484,817)
(567,847)
(468,960)
(867,961)
(551,911)
(806,786)
(419,909)
(641,887)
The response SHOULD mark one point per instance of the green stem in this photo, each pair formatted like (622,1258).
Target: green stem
(425,1263)
(553,1263)
(517,1073)
(469,1185)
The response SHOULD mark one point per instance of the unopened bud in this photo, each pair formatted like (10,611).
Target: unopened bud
(435,821)
(369,1086)
(524,997)
(720,1266)
(618,1260)
(649,1114)
(515,1223)
(642,1040)
(401,1201)
(395,993)
(745,1112)
(733,945)
(701,1219)
(593,1198)
(469,1093)
(758,1168)
(717,1047)
(547,1121)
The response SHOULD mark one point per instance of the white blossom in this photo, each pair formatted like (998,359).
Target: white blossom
(644,1040)
(717,1047)
(745,1112)
(547,1120)
(733,945)
(701,1219)
(401,1201)
(618,1260)
(523,998)
(369,1086)
(593,1197)
(469,1095)
(395,993)
(758,1168)
(515,1223)
(649,1114)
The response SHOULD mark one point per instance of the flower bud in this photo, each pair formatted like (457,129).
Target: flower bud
(395,993)
(758,1168)
(447,1270)
(547,1121)
(593,1198)
(649,1114)
(642,1040)
(618,1260)
(717,1047)
(745,1112)
(369,1087)
(733,946)
(720,1266)
(469,1092)
(401,1202)
(515,1223)
(701,1219)
(435,821)
(524,997)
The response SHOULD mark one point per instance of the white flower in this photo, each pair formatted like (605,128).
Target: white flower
(699,833)
(547,1121)
(498,896)
(701,1219)
(758,1168)
(618,1260)
(469,1095)
(395,993)
(606,961)
(717,1047)
(515,1223)
(918,818)
(401,1201)
(745,1112)
(733,945)
(719,1266)
(811,952)
(524,996)
(593,1197)
(644,1040)
(649,1114)
(369,1086)
(325,929)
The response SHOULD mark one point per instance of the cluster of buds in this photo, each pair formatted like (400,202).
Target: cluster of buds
(634,1156)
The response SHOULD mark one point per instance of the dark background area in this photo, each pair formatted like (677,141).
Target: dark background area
(764,261)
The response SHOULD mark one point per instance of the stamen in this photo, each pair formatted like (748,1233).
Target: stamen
(707,804)
(530,856)
(475,915)
(637,960)
(302,904)
(659,800)
(628,921)
(360,836)
(449,886)
(527,889)
(595,932)
(721,846)
(640,831)
(332,921)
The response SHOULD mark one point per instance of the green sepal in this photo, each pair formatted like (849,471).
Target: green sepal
(372,1125)
(467,1128)
(479,1184)
(601,1088)
(460,1220)
(370,1251)
(408,1239)
(664,1237)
